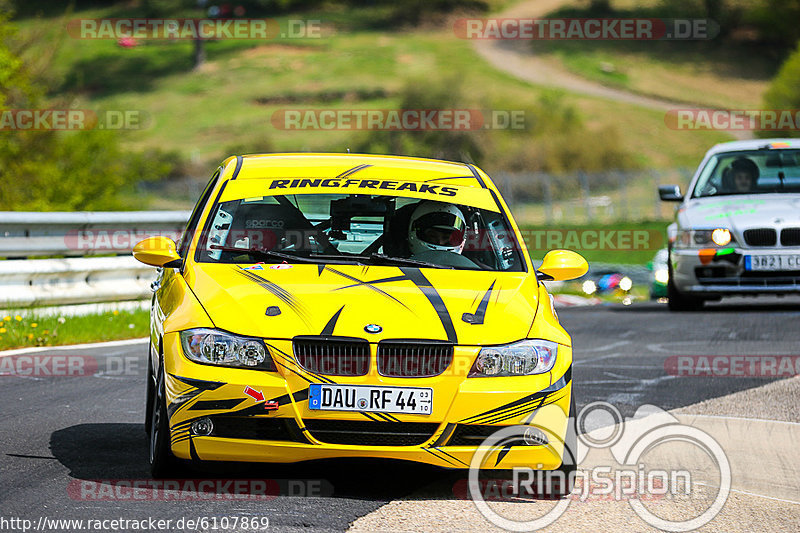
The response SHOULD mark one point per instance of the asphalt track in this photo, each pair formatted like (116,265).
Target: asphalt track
(57,432)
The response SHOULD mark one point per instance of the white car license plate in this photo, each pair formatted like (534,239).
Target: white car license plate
(772,262)
(408,400)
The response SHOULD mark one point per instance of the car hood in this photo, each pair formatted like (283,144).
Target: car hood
(741,212)
(464,307)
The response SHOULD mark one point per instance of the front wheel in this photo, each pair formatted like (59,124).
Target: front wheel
(676,300)
(162,462)
(569,457)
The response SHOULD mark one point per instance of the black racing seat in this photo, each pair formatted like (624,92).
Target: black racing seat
(395,242)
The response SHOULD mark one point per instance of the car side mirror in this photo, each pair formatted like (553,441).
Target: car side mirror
(670,193)
(562,265)
(157,252)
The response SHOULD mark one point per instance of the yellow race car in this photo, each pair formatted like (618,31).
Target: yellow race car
(324,305)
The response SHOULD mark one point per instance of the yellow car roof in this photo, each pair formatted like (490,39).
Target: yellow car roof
(303,173)
(314,165)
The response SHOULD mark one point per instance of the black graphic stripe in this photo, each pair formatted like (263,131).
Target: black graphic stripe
(449,455)
(193,451)
(502,453)
(525,409)
(447,432)
(352,171)
(215,405)
(560,384)
(369,284)
(284,355)
(199,383)
(479,315)
(370,416)
(445,458)
(450,178)
(279,292)
(331,325)
(476,175)
(422,283)
(239,161)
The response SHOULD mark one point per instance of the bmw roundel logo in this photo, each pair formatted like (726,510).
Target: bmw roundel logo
(373,328)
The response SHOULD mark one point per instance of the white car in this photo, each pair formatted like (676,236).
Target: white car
(737,229)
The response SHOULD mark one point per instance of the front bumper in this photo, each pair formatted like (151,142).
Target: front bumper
(725,274)
(287,432)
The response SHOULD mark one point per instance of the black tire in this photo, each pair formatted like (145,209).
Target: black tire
(569,457)
(149,398)
(676,300)
(162,462)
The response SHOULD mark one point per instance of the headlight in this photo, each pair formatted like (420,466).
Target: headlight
(589,287)
(625,284)
(661,275)
(215,347)
(721,236)
(523,358)
(692,238)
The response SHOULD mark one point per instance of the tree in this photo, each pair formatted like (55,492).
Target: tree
(784,92)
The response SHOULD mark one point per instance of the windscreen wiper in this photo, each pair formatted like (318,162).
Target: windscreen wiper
(288,257)
(406,261)
(383,259)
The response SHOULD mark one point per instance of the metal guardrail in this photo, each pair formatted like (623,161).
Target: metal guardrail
(78,278)
(80,234)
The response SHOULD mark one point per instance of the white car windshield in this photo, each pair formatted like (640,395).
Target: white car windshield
(750,172)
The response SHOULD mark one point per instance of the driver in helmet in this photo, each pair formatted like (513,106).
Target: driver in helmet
(437,234)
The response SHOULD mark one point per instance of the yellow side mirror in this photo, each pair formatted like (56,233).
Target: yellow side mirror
(157,252)
(561,265)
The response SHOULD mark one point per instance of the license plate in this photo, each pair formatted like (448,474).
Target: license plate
(772,262)
(408,400)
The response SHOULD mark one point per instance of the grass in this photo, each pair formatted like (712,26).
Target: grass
(653,235)
(226,106)
(698,74)
(721,72)
(29,328)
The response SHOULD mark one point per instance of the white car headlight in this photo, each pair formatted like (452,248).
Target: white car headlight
(215,347)
(721,236)
(523,358)
(693,238)
(661,275)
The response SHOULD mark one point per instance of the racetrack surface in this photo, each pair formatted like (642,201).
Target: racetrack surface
(59,432)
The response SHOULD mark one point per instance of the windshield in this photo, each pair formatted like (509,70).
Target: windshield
(751,172)
(359,229)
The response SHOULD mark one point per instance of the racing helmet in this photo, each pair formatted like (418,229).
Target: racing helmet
(436,226)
